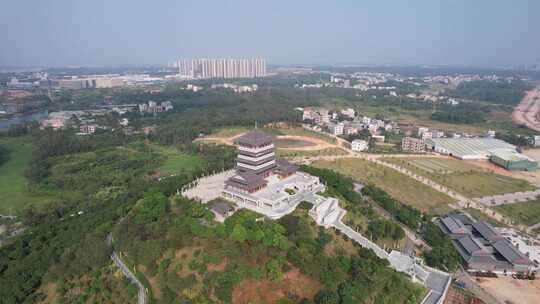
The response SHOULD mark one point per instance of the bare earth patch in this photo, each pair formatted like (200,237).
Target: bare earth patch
(260,291)
(290,142)
(512,291)
(50,293)
(217,267)
(301,285)
(268,292)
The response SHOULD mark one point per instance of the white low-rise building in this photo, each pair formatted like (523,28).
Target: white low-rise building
(378,138)
(336,129)
(279,197)
(349,112)
(359,145)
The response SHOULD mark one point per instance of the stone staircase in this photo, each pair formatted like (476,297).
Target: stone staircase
(327,213)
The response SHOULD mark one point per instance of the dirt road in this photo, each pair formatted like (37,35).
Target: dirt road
(315,143)
(526,113)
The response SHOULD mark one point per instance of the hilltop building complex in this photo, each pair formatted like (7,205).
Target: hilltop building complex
(264,184)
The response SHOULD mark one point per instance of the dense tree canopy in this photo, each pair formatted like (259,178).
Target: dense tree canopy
(4,155)
(498,92)
(443,254)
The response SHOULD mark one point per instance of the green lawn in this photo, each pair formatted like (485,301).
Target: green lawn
(14,194)
(462,177)
(526,213)
(177,162)
(226,132)
(399,186)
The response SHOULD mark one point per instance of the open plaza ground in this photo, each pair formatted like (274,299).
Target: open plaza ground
(509,290)
(463,177)
(400,186)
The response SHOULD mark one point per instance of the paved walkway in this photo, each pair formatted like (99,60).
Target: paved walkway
(141,299)
(327,213)
(509,198)
(535,226)
(207,188)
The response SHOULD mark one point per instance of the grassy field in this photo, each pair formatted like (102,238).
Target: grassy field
(479,216)
(14,194)
(526,213)
(176,162)
(226,132)
(399,186)
(296,153)
(462,177)
(292,143)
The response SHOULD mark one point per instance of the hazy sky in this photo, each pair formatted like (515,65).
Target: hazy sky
(96,32)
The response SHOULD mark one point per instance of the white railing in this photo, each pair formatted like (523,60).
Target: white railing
(255,150)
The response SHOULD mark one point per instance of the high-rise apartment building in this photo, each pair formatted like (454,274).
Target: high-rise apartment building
(222,68)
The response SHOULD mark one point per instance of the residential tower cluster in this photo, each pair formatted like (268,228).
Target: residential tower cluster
(205,68)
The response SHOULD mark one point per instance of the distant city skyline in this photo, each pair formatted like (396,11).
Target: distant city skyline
(425,32)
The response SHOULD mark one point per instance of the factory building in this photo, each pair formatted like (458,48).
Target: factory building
(467,148)
(511,160)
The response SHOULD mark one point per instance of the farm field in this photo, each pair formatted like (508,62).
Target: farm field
(14,194)
(399,186)
(526,213)
(462,177)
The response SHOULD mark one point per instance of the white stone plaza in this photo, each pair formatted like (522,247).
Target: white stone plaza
(279,197)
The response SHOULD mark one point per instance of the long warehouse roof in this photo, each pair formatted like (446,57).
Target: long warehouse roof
(469,146)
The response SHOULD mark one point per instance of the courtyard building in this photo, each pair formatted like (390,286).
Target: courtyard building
(481,247)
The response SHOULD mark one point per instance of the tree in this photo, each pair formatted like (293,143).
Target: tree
(151,207)
(273,269)
(239,233)
(4,155)
(327,297)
